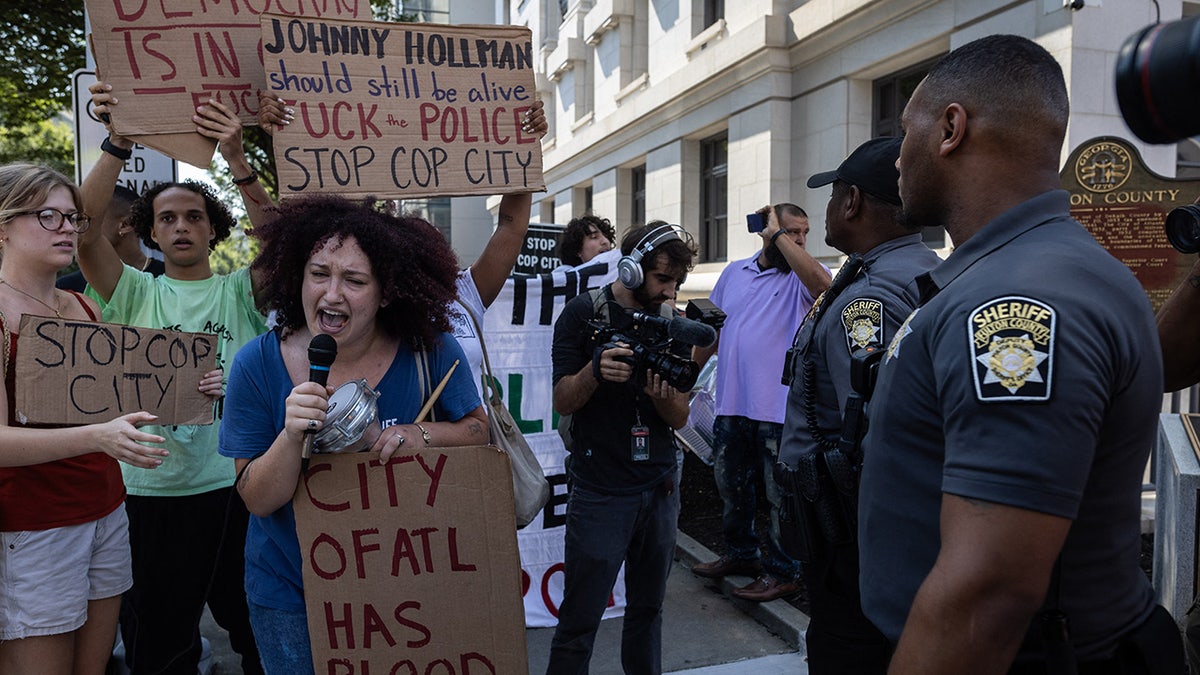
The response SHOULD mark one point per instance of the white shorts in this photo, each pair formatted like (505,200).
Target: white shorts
(47,577)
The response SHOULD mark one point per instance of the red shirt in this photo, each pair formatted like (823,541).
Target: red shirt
(61,493)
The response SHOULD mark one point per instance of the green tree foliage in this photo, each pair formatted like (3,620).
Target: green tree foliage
(41,44)
(50,142)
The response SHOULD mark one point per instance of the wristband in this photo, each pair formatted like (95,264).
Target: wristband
(248,179)
(776,235)
(424,432)
(122,154)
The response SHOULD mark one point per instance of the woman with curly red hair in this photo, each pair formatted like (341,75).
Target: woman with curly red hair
(380,286)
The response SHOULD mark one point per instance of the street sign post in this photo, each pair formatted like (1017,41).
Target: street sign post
(142,171)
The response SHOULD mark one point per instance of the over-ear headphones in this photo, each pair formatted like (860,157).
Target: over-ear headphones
(629,267)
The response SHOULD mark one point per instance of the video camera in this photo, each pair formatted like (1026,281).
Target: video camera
(651,337)
(1158,90)
(1157,83)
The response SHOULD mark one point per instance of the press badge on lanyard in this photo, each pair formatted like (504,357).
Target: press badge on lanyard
(639,441)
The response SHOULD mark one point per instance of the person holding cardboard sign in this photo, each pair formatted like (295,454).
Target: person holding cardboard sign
(64,547)
(186,525)
(380,286)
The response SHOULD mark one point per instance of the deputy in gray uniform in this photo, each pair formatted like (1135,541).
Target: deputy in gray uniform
(1016,407)
(872,295)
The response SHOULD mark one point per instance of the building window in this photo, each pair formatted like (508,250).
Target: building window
(436,210)
(714,11)
(714,168)
(891,94)
(426,11)
(587,200)
(637,194)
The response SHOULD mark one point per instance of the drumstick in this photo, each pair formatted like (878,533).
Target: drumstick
(436,392)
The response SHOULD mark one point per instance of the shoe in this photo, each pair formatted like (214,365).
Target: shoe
(726,566)
(766,588)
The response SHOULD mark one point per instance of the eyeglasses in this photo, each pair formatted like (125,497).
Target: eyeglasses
(52,219)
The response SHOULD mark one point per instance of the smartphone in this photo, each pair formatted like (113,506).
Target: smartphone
(755,222)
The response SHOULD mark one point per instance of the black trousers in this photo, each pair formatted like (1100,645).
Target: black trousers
(187,551)
(840,639)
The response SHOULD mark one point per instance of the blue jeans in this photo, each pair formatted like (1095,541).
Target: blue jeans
(602,532)
(745,450)
(282,637)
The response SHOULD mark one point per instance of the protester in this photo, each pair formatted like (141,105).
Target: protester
(116,229)
(624,502)
(861,310)
(381,286)
(64,547)
(763,297)
(481,283)
(1017,405)
(186,525)
(585,238)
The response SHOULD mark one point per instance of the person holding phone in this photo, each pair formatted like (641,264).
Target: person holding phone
(764,298)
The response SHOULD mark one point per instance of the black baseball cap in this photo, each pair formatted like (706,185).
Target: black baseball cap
(872,167)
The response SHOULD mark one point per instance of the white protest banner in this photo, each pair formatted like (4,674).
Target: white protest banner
(520,330)
(83,372)
(401,110)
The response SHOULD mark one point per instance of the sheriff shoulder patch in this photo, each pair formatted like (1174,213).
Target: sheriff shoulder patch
(862,320)
(1012,345)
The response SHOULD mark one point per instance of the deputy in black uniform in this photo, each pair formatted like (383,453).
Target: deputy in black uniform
(1016,407)
(873,294)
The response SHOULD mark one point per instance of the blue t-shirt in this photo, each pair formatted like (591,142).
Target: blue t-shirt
(254,414)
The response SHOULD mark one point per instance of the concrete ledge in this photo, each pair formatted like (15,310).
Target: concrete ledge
(778,616)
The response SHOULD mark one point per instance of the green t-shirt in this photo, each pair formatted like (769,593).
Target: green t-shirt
(220,304)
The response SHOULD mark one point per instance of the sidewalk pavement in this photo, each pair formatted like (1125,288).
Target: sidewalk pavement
(706,631)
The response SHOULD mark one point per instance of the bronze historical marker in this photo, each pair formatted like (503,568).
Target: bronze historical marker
(1123,205)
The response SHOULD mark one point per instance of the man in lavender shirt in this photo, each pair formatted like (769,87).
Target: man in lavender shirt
(764,297)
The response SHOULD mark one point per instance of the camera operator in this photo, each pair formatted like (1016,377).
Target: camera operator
(623,504)
(764,297)
(869,299)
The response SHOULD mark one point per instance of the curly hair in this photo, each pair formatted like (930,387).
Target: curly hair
(415,266)
(141,214)
(25,185)
(576,232)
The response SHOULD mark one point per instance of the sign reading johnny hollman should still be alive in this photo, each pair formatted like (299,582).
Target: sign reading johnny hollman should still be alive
(397,110)
(1124,204)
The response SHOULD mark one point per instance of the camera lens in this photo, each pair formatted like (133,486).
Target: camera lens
(1183,228)
(1158,81)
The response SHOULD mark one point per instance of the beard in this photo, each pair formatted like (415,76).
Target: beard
(776,259)
(643,298)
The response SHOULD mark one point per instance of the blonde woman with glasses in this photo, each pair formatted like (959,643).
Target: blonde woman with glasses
(64,544)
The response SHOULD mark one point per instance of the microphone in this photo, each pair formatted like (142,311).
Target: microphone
(686,331)
(322,350)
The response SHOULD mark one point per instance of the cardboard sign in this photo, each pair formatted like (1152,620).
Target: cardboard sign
(412,567)
(84,372)
(397,110)
(164,57)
